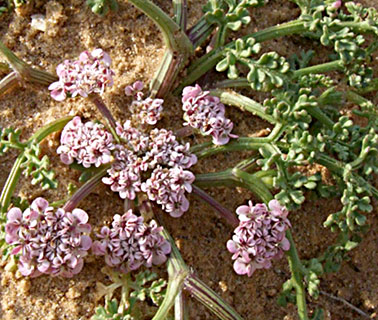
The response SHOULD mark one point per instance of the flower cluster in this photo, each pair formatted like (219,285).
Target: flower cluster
(145,111)
(205,113)
(165,156)
(167,187)
(88,143)
(142,163)
(130,243)
(90,73)
(260,237)
(49,242)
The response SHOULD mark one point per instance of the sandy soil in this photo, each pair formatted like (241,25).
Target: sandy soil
(136,48)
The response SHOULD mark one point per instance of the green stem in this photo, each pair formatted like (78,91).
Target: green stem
(200,32)
(200,291)
(254,184)
(336,65)
(180,8)
(24,71)
(241,144)
(297,277)
(15,173)
(178,44)
(243,103)
(174,38)
(338,168)
(318,114)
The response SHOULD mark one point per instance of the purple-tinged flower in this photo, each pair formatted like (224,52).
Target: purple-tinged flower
(48,241)
(164,149)
(260,237)
(145,111)
(207,114)
(134,138)
(130,243)
(88,143)
(124,174)
(91,73)
(337,4)
(135,89)
(167,188)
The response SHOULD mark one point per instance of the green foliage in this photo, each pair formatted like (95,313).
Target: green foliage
(339,30)
(264,74)
(102,7)
(145,287)
(10,138)
(155,291)
(229,14)
(38,168)
(111,311)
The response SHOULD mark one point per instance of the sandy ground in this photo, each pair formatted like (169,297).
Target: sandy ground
(136,48)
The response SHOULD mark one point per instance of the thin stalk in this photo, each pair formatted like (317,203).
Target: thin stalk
(99,103)
(233,83)
(243,103)
(180,8)
(200,32)
(177,272)
(223,212)
(10,184)
(85,189)
(217,179)
(318,114)
(201,292)
(174,38)
(336,65)
(240,144)
(355,97)
(297,277)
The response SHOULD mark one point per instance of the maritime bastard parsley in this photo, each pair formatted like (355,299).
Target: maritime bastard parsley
(152,169)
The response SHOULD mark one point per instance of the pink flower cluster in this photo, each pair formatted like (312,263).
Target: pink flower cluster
(206,113)
(167,188)
(161,152)
(90,73)
(49,242)
(130,243)
(138,165)
(88,143)
(145,111)
(260,237)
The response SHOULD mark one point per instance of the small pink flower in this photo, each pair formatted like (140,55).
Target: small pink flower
(130,243)
(90,73)
(50,242)
(260,237)
(207,114)
(88,143)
